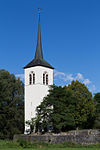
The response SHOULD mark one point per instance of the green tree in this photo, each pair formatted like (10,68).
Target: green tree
(11,105)
(97,111)
(85,108)
(56,110)
(66,108)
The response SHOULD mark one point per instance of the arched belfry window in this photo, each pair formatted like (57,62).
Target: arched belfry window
(32,78)
(45,78)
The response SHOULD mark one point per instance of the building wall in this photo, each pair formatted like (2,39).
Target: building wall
(84,137)
(35,93)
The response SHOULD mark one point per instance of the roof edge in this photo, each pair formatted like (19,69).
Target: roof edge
(26,67)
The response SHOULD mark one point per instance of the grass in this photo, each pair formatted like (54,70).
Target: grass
(9,145)
(49,149)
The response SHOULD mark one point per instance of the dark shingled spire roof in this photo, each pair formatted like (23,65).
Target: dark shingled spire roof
(39,53)
(38,60)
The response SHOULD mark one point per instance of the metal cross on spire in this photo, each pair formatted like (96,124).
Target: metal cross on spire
(39,9)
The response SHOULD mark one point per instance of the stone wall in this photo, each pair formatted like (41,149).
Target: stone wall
(84,137)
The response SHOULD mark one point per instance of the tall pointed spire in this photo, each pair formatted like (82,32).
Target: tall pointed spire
(38,59)
(39,54)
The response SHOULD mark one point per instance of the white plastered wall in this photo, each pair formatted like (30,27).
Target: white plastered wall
(35,93)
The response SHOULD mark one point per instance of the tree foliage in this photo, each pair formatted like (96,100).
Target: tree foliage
(11,105)
(85,108)
(55,112)
(97,111)
(66,108)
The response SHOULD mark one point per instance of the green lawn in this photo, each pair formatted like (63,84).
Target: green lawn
(3,148)
(9,145)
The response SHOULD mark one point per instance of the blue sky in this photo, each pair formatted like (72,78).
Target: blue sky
(70,38)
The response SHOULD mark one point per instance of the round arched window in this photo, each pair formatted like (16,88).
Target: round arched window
(45,78)
(32,78)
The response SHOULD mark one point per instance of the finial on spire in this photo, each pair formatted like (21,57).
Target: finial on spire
(39,9)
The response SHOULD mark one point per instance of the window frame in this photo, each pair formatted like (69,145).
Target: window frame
(45,78)
(31,78)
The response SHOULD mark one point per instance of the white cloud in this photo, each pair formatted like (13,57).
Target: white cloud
(65,77)
(71,77)
(86,81)
(56,73)
(93,88)
(68,77)
(79,76)
(21,76)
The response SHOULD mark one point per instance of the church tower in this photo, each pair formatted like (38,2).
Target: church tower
(38,77)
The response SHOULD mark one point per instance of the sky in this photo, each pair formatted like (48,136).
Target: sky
(70,31)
